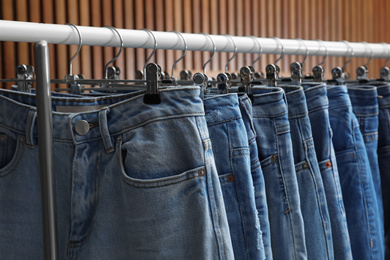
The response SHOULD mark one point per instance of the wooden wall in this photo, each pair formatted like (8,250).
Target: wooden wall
(334,20)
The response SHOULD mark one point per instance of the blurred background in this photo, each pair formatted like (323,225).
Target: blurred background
(328,20)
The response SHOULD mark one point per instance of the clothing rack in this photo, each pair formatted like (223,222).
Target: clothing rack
(42,34)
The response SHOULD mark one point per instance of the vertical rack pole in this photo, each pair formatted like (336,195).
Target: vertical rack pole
(45,143)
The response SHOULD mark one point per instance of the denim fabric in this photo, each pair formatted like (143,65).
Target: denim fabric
(140,184)
(364,100)
(257,174)
(317,104)
(384,156)
(355,177)
(232,158)
(314,207)
(271,123)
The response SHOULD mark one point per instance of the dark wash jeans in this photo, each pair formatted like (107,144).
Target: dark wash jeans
(355,177)
(318,105)
(384,156)
(314,206)
(270,119)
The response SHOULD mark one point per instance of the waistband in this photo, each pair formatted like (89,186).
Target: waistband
(221,108)
(296,101)
(384,95)
(268,102)
(364,99)
(316,98)
(113,118)
(338,96)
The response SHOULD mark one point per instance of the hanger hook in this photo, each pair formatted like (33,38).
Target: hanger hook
(260,50)
(234,53)
(371,54)
(78,50)
(352,53)
(388,57)
(326,52)
(279,44)
(307,50)
(184,51)
(212,55)
(119,52)
(154,50)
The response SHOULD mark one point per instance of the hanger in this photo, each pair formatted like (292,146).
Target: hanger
(201,79)
(297,67)
(338,73)
(256,75)
(318,70)
(385,71)
(362,71)
(71,79)
(113,72)
(273,70)
(25,78)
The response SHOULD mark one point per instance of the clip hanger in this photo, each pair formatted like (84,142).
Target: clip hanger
(318,70)
(362,71)
(114,72)
(272,70)
(24,73)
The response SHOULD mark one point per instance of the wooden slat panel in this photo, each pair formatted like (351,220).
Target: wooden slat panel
(196,28)
(129,53)
(119,23)
(139,24)
(97,51)
(160,26)
(85,52)
(187,22)
(169,26)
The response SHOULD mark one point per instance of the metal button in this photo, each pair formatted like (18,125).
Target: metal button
(3,138)
(230,178)
(81,127)
(274,158)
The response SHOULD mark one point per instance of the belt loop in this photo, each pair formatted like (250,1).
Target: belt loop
(103,126)
(31,116)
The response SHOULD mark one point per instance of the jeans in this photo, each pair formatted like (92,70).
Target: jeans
(271,123)
(232,158)
(317,103)
(314,206)
(133,181)
(355,177)
(364,100)
(384,156)
(257,174)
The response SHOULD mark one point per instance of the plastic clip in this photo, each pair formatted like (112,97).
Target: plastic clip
(153,74)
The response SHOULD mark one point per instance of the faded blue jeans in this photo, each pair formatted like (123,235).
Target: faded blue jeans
(384,156)
(270,119)
(317,104)
(232,158)
(314,207)
(355,177)
(133,181)
(257,174)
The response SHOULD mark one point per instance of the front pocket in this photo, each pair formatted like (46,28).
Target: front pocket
(12,150)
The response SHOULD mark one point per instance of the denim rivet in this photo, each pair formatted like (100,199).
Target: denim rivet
(201,172)
(305,166)
(119,139)
(274,157)
(3,138)
(81,127)
(230,178)
(328,164)
(22,138)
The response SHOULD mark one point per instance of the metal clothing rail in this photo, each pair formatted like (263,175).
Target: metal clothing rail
(101,36)
(42,34)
